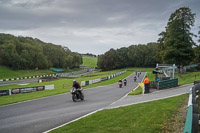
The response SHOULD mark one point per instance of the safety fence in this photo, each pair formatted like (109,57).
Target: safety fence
(25,90)
(192,119)
(164,84)
(73,73)
(49,75)
(29,77)
(84,83)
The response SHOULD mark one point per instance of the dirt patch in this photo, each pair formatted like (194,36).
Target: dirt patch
(176,123)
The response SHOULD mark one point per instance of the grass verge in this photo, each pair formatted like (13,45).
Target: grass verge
(140,118)
(138,91)
(9,73)
(6,73)
(176,123)
(89,61)
(187,78)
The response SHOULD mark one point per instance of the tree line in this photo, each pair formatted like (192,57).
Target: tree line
(175,45)
(30,53)
(133,56)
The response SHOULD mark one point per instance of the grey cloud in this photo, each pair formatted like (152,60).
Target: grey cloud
(93,24)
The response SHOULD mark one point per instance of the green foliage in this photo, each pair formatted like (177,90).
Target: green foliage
(140,118)
(28,53)
(197,49)
(177,39)
(89,61)
(133,56)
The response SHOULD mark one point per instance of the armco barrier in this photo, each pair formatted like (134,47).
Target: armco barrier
(84,83)
(192,119)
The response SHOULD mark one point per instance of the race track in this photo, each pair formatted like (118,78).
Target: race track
(46,113)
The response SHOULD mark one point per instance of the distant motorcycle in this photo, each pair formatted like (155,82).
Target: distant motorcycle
(135,78)
(77,94)
(120,84)
(125,82)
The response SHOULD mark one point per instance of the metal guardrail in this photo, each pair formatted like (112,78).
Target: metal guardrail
(192,119)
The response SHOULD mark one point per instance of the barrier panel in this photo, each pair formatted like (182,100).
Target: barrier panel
(192,118)
(164,84)
(4,92)
(25,90)
(84,83)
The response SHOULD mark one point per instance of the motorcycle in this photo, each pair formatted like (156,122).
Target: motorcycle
(125,82)
(77,94)
(120,84)
(135,79)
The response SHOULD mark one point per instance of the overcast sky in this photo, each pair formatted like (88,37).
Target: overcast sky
(91,26)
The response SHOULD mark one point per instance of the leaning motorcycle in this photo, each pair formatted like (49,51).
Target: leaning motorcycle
(77,94)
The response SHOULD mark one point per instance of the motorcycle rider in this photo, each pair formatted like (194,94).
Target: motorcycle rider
(135,78)
(76,85)
(78,88)
(120,83)
(125,82)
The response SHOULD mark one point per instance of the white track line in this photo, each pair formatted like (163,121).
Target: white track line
(147,100)
(73,120)
(127,93)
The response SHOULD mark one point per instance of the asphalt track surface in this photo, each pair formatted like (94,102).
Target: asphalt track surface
(46,113)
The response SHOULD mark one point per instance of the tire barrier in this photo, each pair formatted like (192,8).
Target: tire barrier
(192,118)
(25,90)
(84,83)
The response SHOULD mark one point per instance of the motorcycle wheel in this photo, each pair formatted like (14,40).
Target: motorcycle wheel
(82,96)
(74,97)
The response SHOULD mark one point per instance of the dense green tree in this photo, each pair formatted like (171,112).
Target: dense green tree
(161,48)
(197,49)
(121,58)
(178,38)
(133,56)
(100,62)
(28,53)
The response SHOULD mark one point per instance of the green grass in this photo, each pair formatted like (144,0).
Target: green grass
(140,118)
(58,86)
(138,91)
(188,77)
(89,61)
(9,73)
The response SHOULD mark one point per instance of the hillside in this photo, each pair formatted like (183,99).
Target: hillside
(29,53)
(89,61)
